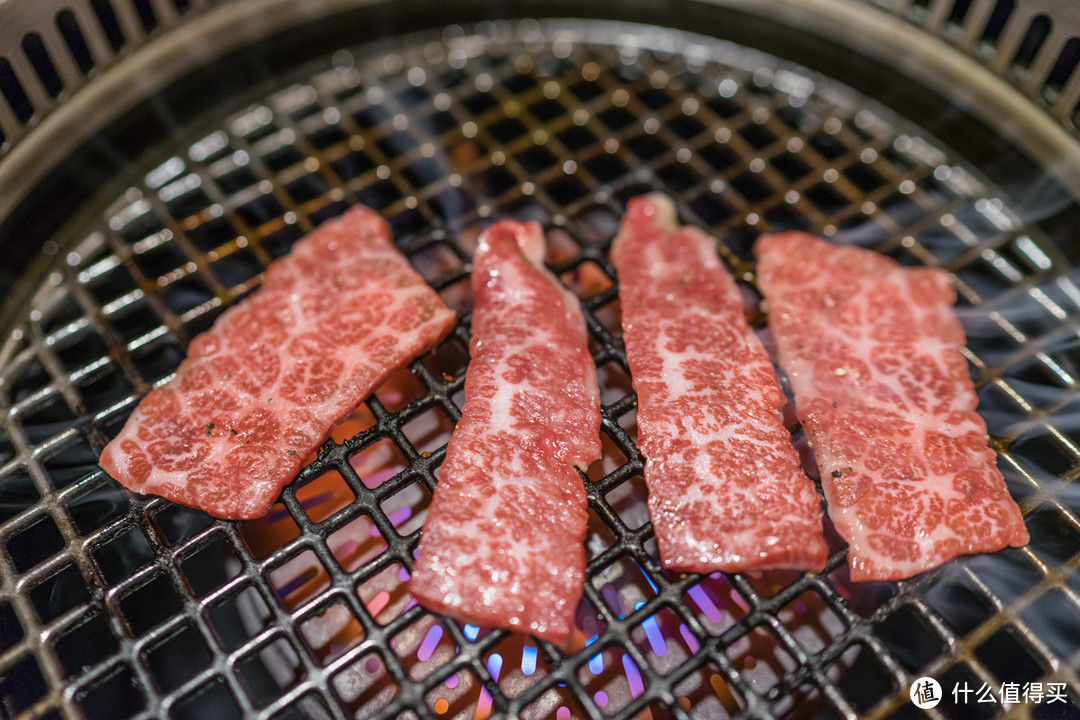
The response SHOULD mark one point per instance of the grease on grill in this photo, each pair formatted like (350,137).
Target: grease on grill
(559,123)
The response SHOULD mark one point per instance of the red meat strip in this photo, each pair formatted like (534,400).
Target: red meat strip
(726,491)
(502,542)
(872,351)
(265,385)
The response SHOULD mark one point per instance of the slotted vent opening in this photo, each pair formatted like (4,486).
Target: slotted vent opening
(1037,32)
(76,42)
(958,12)
(106,18)
(14,93)
(1063,69)
(995,24)
(145,11)
(39,58)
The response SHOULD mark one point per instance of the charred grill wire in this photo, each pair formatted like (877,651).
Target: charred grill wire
(113,605)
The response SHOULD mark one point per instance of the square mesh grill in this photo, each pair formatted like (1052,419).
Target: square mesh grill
(114,605)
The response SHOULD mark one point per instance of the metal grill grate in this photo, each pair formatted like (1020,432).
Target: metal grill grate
(113,605)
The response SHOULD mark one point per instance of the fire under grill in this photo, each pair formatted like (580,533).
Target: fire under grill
(114,605)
